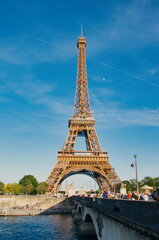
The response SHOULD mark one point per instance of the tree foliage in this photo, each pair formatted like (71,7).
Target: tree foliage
(42,188)
(28,179)
(1,186)
(12,188)
(27,189)
(132,186)
(152,182)
(29,184)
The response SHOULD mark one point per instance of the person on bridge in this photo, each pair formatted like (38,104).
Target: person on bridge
(105,194)
(146,197)
(155,195)
(129,196)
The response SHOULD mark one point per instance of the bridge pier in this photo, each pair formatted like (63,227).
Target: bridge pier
(86,229)
(74,211)
(83,228)
(77,217)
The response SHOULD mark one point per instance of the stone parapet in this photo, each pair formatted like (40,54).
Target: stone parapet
(34,204)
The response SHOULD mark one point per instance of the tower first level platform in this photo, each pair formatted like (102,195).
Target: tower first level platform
(95,165)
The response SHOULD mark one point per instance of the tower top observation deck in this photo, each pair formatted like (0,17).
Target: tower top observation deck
(81,40)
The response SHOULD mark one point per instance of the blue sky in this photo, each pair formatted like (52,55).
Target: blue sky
(38,68)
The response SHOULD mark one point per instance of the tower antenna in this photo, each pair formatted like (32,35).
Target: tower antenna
(81,31)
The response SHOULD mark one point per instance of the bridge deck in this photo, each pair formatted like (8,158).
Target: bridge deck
(142,214)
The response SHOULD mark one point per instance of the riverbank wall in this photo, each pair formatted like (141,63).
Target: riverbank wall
(34,205)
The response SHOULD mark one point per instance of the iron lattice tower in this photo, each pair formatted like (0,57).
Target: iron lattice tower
(93,162)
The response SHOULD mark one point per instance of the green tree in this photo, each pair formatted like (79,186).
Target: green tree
(16,188)
(42,188)
(8,189)
(1,186)
(148,181)
(29,184)
(27,189)
(156,182)
(133,184)
(12,188)
(152,182)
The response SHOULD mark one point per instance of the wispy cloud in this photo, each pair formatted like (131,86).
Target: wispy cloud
(128,24)
(38,92)
(133,24)
(23,129)
(117,117)
(112,114)
(25,49)
(101,95)
(60,107)
(29,87)
(127,73)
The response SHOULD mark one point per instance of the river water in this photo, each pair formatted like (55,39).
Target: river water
(59,227)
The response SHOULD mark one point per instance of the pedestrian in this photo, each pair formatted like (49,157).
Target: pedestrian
(107,194)
(145,196)
(155,195)
(129,195)
(141,196)
(104,194)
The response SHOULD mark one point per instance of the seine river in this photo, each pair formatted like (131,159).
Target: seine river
(59,227)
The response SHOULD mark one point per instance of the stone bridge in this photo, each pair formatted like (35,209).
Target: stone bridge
(114,219)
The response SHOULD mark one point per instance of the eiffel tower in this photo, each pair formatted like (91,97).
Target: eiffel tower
(93,162)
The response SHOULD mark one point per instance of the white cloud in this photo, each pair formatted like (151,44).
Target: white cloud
(27,49)
(130,24)
(61,107)
(116,117)
(133,24)
(39,93)
(29,87)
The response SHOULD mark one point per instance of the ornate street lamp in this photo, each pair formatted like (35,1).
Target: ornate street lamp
(132,165)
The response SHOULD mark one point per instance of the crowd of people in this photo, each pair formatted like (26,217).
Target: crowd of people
(130,196)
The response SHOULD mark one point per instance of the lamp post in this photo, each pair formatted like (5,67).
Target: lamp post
(132,165)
